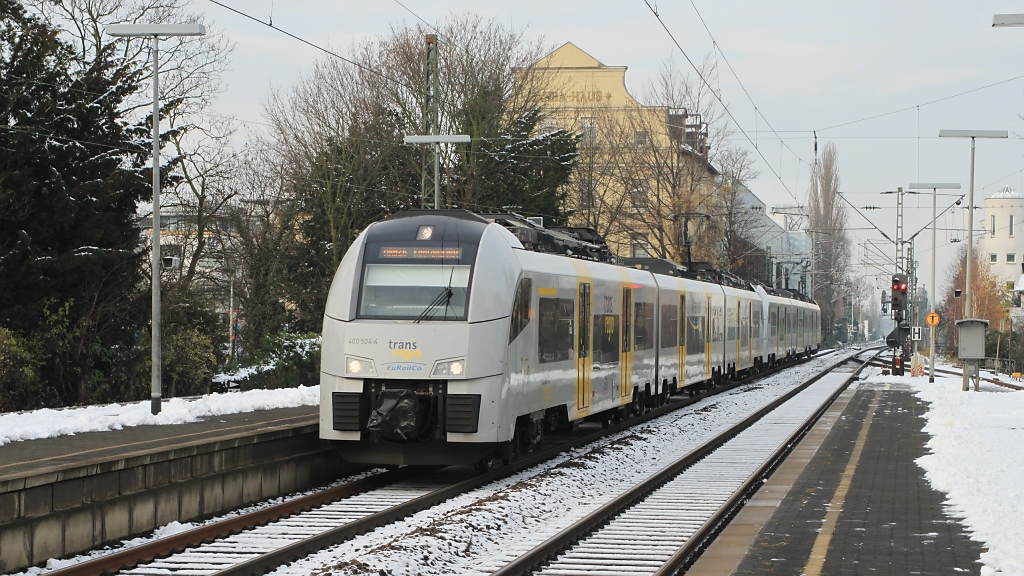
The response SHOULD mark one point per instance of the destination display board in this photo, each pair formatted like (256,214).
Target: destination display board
(419,252)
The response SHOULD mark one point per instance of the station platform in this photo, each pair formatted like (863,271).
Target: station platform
(850,500)
(64,495)
(51,455)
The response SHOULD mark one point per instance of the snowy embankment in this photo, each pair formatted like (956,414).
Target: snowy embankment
(977,459)
(47,423)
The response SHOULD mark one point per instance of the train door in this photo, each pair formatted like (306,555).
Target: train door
(738,334)
(707,341)
(800,331)
(781,332)
(751,335)
(583,364)
(626,361)
(683,328)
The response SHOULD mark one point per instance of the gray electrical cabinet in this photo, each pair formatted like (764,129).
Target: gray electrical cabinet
(972,338)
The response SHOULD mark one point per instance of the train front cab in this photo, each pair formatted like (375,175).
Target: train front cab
(409,370)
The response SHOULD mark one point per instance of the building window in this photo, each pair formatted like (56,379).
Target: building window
(639,196)
(588,127)
(640,137)
(992,228)
(993,258)
(1011,258)
(639,246)
(1011,225)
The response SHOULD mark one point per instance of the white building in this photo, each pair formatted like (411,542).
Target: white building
(1002,244)
(788,247)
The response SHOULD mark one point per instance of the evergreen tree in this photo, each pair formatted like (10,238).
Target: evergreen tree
(527,170)
(71,174)
(358,179)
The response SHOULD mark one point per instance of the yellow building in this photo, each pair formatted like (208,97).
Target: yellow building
(642,170)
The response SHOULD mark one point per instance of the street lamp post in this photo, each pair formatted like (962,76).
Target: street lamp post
(155,31)
(684,231)
(1007,20)
(931,329)
(972,134)
(437,140)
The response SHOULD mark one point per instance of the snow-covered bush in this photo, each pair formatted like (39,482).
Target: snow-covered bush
(290,360)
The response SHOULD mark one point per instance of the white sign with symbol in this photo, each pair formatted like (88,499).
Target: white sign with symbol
(915,333)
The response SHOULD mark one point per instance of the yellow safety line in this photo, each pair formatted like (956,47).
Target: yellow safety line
(835,507)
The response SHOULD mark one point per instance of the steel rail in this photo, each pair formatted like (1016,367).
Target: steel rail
(700,539)
(955,373)
(150,551)
(301,549)
(550,548)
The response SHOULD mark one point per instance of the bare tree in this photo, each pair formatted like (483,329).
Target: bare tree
(828,228)
(202,190)
(739,217)
(191,68)
(988,301)
(263,219)
(604,169)
(677,169)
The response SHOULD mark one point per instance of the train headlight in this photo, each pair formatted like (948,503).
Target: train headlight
(355,366)
(448,368)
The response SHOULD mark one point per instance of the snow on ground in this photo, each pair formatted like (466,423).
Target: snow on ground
(479,532)
(977,459)
(48,423)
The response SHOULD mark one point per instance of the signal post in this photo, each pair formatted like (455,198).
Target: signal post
(897,339)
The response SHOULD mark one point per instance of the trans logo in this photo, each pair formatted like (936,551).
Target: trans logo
(406,351)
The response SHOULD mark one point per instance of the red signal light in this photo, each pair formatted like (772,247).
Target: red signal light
(903,286)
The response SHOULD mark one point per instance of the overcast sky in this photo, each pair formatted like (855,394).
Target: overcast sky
(807,65)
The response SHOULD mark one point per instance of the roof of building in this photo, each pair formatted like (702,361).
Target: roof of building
(1007,192)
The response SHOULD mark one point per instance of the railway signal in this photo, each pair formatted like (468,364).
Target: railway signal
(899,292)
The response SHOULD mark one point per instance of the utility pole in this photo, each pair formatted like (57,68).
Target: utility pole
(900,265)
(429,115)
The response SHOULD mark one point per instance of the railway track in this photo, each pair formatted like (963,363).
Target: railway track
(677,511)
(995,381)
(260,541)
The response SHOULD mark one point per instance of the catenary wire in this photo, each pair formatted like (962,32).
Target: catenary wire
(719,98)
(757,110)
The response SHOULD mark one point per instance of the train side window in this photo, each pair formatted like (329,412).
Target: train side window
(709,327)
(643,338)
(520,308)
(606,338)
(627,319)
(731,320)
(669,326)
(583,349)
(554,329)
(695,329)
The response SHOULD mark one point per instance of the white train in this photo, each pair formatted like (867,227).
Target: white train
(446,341)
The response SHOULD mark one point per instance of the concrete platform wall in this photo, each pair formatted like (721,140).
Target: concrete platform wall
(61,513)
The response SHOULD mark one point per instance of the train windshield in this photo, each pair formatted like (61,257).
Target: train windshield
(415,283)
